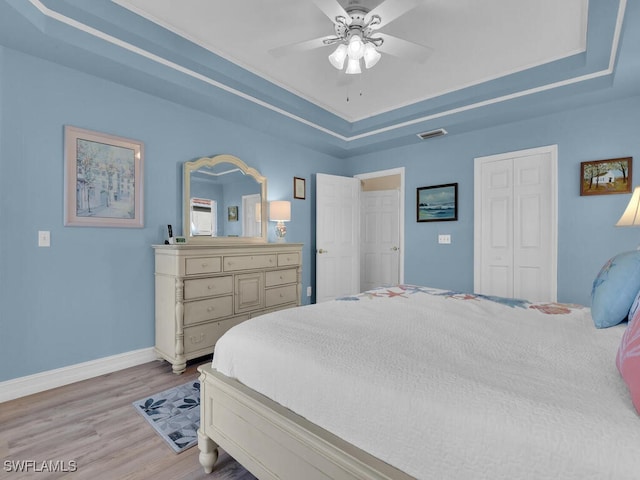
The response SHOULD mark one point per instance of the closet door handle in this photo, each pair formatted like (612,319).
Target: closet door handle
(321,251)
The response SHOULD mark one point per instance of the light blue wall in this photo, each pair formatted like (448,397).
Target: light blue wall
(90,294)
(586,235)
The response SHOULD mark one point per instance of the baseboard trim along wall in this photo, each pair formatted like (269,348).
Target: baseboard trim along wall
(39,382)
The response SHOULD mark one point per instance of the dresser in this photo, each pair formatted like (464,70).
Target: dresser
(203,290)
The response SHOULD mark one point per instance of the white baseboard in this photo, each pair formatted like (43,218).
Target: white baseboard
(39,382)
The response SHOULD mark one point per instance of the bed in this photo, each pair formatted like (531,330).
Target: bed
(412,382)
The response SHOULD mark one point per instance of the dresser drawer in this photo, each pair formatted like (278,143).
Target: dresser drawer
(207,287)
(209,309)
(281,277)
(280,295)
(197,266)
(249,262)
(285,259)
(204,337)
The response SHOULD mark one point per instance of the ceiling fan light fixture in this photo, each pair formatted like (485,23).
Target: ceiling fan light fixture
(371,55)
(355,35)
(338,57)
(353,66)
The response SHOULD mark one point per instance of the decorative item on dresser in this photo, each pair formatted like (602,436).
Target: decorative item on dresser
(204,290)
(280,212)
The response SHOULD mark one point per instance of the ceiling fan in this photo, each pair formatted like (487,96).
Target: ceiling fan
(357,34)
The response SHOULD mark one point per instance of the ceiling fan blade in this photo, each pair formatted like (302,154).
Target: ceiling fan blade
(300,46)
(389,10)
(403,48)
(332,9)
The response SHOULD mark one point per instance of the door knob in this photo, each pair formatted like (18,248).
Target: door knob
(395,249)
(322,251)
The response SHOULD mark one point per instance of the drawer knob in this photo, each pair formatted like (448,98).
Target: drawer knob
(204,265)
(210,309)
(197,339)
(281,277)
(210,287)
(281,295)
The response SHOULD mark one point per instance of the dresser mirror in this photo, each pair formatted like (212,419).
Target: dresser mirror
(224,200)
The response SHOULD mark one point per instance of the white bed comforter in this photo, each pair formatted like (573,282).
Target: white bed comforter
(449,386)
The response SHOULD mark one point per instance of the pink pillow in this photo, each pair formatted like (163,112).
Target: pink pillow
(628,358)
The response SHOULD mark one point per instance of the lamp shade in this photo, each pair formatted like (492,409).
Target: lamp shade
(338,56)
(355,49)
(353,66)
(631,215)
(371,55)
(280,211)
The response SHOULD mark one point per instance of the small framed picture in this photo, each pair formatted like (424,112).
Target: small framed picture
(103,180)
(438,203)
(232,213)
(604,177)
(299,188)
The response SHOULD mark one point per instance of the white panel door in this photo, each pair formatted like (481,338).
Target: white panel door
(533,235)
(337,236)
(497,238)
(515,225)
(380,239)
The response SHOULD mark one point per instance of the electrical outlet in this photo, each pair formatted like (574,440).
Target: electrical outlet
(44,238)
(308,291)
(445,239)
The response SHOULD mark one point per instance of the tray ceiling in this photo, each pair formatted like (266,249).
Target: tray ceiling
(472,42)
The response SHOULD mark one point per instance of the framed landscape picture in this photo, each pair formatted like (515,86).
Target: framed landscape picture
(438,203)
(103,180)
(605,177)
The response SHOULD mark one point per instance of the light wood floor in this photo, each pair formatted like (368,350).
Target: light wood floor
(94,424)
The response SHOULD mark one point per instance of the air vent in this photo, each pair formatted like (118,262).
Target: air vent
(433,133)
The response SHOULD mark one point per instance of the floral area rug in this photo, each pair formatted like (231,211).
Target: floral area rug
(174,414)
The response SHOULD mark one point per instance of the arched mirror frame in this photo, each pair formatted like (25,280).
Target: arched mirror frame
(186,189)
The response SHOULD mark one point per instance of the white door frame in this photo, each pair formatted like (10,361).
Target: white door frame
(552,150)
(386,173)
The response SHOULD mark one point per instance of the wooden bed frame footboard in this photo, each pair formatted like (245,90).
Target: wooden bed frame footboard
(271,441)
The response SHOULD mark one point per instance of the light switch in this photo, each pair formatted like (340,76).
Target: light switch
(44,238)
(446,239)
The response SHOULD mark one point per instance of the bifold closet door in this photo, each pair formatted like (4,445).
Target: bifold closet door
(516,225)
(496,259)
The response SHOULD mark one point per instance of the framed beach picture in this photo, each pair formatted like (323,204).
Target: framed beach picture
(103,180)
(438,203)
(604,177)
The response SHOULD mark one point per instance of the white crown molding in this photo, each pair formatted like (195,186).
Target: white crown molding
(139,51)
(39,382)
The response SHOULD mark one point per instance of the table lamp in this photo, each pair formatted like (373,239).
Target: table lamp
(280,212)
(631,215)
